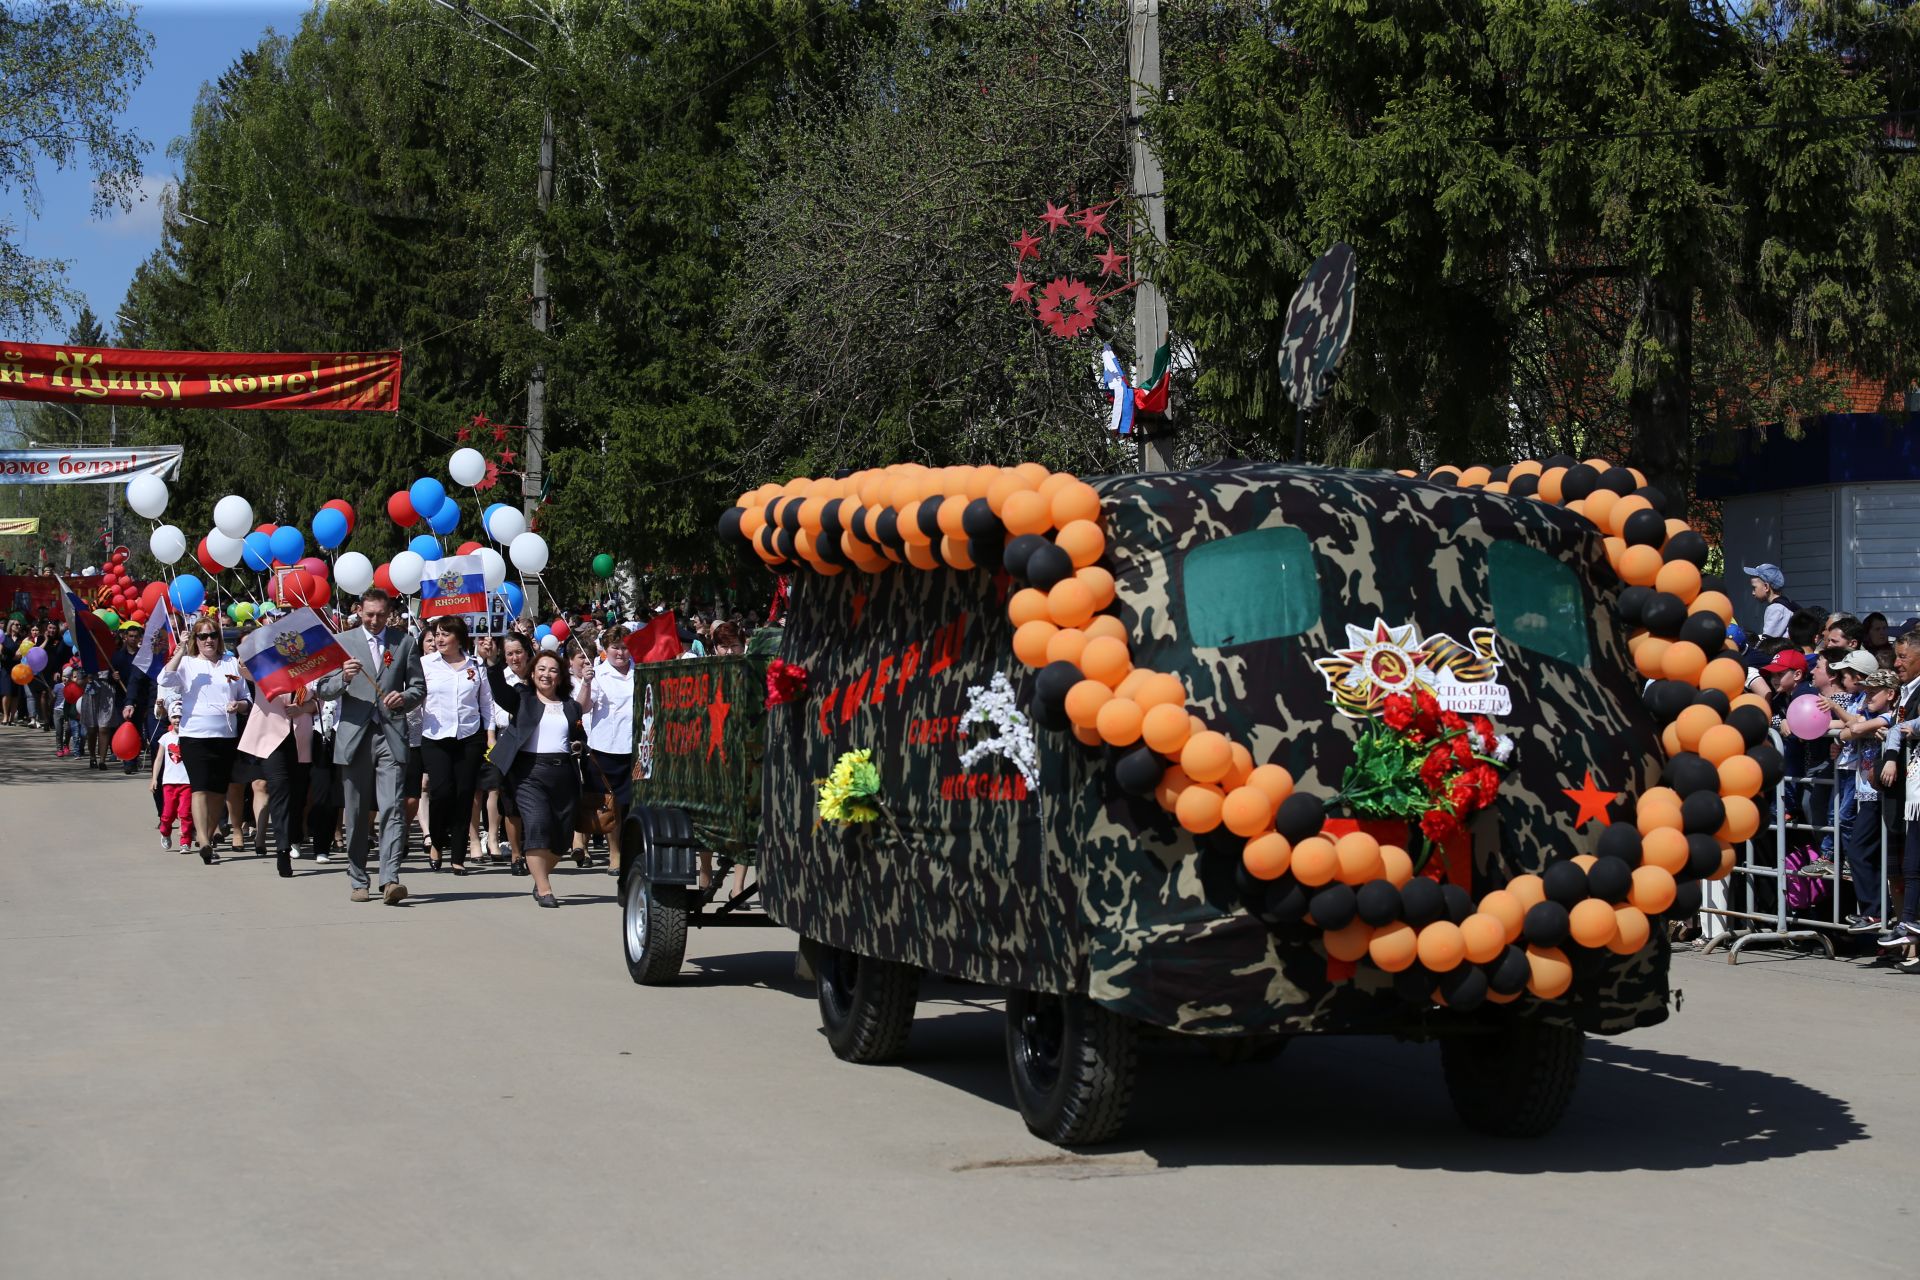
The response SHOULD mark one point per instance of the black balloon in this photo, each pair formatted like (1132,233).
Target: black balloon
(1619,842)
(1414,985)
(1663,614)
(887,526)
(1503,472)
(1332,906)
(1051,715)
(768,539)
(1609,879)
(1632,601)
(1524,486)
(1686,900)
(979,521)
(1459,902)
(1048,565)
(1138,772)
(1463,987)
(830,516)
(1545,924)
(1706,630)
(1510,974)
(1688,773)
(1618,479)
(1565,882)
(729,527)
(790,514)
(1559,460)
(1579,481)
(1772,767)
(1702,812)
(1644,529)
(1668,698)
(1054,681)
(1421,902)
(986,552)
(927,516)
(1657,497)
(1378,902)
(1286,901)
(1686,545)
(1703,856)
(786,543)
(1752,723)
(1018,549)
(1716,699)
(1300,816)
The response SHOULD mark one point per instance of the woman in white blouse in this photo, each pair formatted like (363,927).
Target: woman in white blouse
(537,750)
(455,717)
(606,695)
(207,682)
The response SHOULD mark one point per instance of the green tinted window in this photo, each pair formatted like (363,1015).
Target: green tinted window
(1538,602)
(1252,586)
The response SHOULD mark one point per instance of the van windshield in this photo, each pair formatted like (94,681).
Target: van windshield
(1538,603)
(1259,585)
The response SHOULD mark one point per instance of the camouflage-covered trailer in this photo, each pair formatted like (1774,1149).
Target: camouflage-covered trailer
(1328,623)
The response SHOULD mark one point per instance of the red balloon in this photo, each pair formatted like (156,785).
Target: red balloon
(467,548)
(298,588)
(126,741)
(345,508)
(400,510)
(141,615)
(207,562)
(383,579)
(560,630)
(267,528)
(71,692)
(153,593)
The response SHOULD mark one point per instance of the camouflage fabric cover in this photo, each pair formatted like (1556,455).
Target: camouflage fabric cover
(1081,888)
(699,728)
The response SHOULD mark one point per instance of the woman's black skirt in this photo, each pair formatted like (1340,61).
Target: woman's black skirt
(209,762)
(546,788)
(617,772)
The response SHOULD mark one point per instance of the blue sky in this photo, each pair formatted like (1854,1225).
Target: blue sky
(193,42)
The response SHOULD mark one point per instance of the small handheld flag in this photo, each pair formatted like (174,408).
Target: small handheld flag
(92,642)
(658,641)
(294,650)
(456,584)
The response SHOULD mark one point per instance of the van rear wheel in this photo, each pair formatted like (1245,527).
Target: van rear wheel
(1516,1082)
(653,929)
(1072,1064)
(866,1005)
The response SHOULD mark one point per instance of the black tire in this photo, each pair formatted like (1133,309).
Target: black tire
(1516,1082)
(866,1005)
(653,929)
(1072,1064)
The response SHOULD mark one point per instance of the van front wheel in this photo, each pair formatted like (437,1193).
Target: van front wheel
(1516,1082)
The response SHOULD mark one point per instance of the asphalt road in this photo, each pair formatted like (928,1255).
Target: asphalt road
(210,1072)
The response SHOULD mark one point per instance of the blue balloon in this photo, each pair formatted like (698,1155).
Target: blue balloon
(256,552)
(516,598)
(329,528)
(68,635)
(426,494)
(188,593)
(486,517)
(541,632)
(289,544)
(426,546)
(446,519)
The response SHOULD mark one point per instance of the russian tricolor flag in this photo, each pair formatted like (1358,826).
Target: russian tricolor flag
(92,642)
(291,651)
(455,584)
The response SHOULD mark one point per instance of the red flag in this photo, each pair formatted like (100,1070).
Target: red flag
(658,641)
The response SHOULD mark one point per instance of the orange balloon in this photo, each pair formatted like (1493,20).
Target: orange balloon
(1591,923)
(1441,946)
(951,512)
(1023,512)
(1054,483)
(1360,860)
(1206,756)
(1349,943)
(1067,645)
(1728,859)
(1617,518)
(1631,930)
(1670,741)
(920,556)
(1743,819)
(1084,701)
(1584,861)
(1394,947)
(1684,660)
(1069,603)
(1648,658)
(1004,486)
(1107,625)
(1714,602)
(1680,578)
(1030,642)
(1198,808)
(954,551)
(1640,565)
(1082,541)
(1474,477)
(1529,889)
(1131,685)
(1164,728)
(1653,890)
(1267,856)
(1665,848)
(1172,782)
(1526,467)
(1395,865)
(1075,500)
(1691,723)
(1239,769)
(1549,490)
(1484,936)
(1602,466)
(1725,675)
(1106,659)
(1599,506)
(1656,816)
(1659,796)
(1314,861)
(1274,781)
(1164,689)
(980,481)
(1247,811)
(1099,582)
(1740,776)
(1119,721)
(1506,908)
(1752,700)
(910,525)
(1721,743)
(1552,974)
(1090,737)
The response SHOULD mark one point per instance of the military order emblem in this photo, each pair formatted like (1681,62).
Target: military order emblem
(1390,660)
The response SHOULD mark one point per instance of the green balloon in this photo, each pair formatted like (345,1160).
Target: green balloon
(603,565)
(111,618)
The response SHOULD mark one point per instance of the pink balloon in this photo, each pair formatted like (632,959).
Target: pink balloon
(1806,718)
(317,567)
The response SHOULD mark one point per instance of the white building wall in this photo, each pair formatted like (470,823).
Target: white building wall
(1854,547)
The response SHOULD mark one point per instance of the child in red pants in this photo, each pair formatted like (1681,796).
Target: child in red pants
(170,780)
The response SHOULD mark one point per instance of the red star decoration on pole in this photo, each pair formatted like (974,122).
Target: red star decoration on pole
(1093,222)
(479,420)
(507,456)
(499,434)
(462,436)
(1112,263)
(1056,217)
(1020,290)
(1593,802)
(1028,244)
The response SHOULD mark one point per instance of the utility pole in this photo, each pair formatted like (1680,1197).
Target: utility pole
(534,476)
(113,490)
(1149,307)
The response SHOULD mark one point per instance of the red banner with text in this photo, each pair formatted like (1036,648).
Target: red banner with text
(358,380)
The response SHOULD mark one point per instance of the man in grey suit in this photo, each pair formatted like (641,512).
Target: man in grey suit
(380,683)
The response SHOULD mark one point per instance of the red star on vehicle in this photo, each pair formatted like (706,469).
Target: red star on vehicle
(1593,802)
(1093,222)
(1019,289)
(1028,244)
(1056,217)
(717,722)
(1112,263)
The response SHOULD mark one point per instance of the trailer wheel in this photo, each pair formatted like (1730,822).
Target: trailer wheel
(866,1005)
(653,927)
(1516,1082)
(1072,1064)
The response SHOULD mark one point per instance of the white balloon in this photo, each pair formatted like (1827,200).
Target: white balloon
(225,550)
(550,644)
(353,573)
(528,552)
(233,516)
(147,495)
(167,544)
(467,467)
(494,565)
(507,524)
(405,569)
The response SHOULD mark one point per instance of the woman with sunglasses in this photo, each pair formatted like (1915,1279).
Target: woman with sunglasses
(206,680)
(538,751)
(456,715)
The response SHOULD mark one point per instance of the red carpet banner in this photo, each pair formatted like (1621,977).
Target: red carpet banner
(360,380)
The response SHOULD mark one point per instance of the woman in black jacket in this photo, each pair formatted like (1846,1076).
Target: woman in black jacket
(538,753)
(509,664)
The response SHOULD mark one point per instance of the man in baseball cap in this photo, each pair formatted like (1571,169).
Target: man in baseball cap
(1769,587)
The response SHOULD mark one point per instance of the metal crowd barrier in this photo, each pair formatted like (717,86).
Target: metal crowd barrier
(1749,873)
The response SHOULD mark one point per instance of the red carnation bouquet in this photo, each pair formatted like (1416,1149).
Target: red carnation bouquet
(1425,764)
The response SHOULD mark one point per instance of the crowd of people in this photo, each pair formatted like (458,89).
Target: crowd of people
(511,752)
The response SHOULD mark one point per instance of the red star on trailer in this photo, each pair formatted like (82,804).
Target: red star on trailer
(1028,245)
(1593,802)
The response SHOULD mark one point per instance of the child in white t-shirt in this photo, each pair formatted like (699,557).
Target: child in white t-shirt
(170,780)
